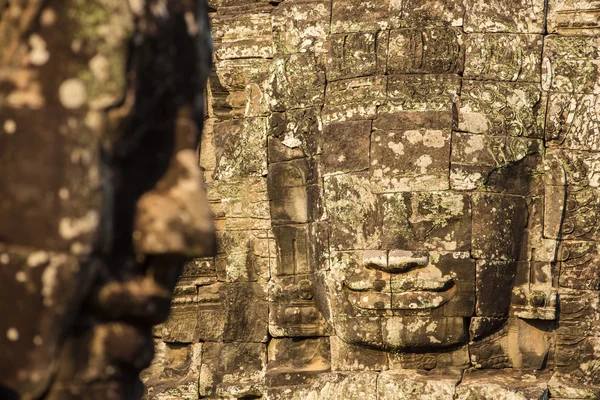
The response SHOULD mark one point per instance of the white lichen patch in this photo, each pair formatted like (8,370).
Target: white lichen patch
(50,280)
(434,138)
(100,67)
(21,277)
(423,162)
(37,258)
(48,17)
(38,55)
(10,127)
(473,122)
(12,334)
(397,148)
(70,228)
(72,93)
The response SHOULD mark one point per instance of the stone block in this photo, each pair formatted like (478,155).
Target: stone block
(503,57)
(578,261)
(295,81)
(441,332)
(502,109)
(241,148)
(438,362)
(483,385)
(212,312)
(292,250)
(294,134)
(290,355)
(411,151)
(352,55)
(287,184)
(572,122)
(416,385)
(420,221)
(571,64)
(573,17)
(494,280)
(421,92)
(498,225)
(431,13)
(430,51)
(348,357)
(293,311)
(301,26)
(243,35)
(352,210)
(361,15)
(177,374)
(232,369)
(566,386)
(346,147)
(243,203)
(183,325)
(520,16)
(353,99)
(245,255)
(237,74)
(247,313)
(333,386)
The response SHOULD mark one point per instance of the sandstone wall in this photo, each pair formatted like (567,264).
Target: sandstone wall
(330,121)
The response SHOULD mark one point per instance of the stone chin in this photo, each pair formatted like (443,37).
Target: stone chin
(402,333)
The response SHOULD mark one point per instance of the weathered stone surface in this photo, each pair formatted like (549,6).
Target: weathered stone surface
(422,221)
(353,99)
(416,385)
(573,17)
(346,147)
(347,357)
(176,374)
(437,362)
(291,355)
(504,109)
(241,148)
(411,151)
(287,184)
(426,13)
(572,122)
(570,64)
(519,16)
(300,26)
(331,386)
(232,369)
(431,51)
(242,35)
(352,55)
(483,385)
(358,15)
(294,134)
(416,92)
(503,57)
(295,81)
(350,203)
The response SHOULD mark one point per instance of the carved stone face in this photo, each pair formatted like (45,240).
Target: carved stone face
(426,244)
(94,239)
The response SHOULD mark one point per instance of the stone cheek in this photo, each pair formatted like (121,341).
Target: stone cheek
(411,151)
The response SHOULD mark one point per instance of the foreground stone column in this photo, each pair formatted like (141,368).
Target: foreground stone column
(101,199)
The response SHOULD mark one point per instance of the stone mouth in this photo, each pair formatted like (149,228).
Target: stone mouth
(407,300)
(400,284)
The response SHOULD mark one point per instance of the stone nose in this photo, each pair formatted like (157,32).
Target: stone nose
(395,261)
